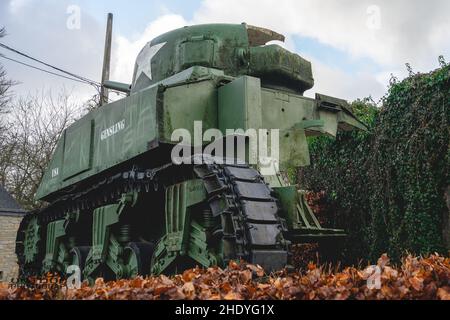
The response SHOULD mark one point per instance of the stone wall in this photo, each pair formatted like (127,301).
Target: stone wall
(8,260)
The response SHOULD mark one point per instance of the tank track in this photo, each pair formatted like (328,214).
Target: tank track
(251,228)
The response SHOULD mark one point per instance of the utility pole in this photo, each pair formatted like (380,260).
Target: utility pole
(106,60)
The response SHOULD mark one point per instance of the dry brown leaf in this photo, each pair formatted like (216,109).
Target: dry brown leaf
(245,276)
(189,290)
(189,275)
(4,293)
(416,283)
(258,270)
(390,273)
(233,265)
(233,296)
(99,282)
(444,293)
(383,261)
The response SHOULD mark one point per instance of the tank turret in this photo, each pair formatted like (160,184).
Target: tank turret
(238,49)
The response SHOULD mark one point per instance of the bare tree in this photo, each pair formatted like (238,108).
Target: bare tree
(36,124)
(5,96)
(5,85)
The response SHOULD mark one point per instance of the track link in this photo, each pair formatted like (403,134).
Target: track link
(251,227)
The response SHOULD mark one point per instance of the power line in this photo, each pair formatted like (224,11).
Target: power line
(37,68)
(73,77)
(92,82)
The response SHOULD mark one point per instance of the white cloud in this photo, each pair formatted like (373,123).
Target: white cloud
(16,5)
(410,31)
(335,82)
(126,50)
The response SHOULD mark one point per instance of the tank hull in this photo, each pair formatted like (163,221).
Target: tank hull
(120,205)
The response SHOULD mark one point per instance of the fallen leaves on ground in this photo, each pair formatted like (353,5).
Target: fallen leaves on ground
(415,278)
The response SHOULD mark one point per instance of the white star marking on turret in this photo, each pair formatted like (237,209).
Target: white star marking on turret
(144,59)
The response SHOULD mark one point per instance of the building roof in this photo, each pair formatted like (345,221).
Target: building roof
(9,206)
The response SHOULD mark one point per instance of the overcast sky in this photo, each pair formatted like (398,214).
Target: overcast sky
(354,45)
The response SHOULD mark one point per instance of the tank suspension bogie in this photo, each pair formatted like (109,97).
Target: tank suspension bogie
(209,217)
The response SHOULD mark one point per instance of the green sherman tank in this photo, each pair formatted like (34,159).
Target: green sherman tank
(120,206)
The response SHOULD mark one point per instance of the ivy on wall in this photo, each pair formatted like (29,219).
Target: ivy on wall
(386,186)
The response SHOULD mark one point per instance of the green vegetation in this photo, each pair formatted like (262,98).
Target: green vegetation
(386,187)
